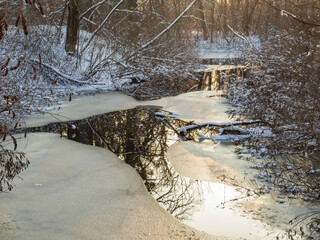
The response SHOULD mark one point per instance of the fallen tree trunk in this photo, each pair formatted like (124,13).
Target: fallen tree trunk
(215,124)
(60,74)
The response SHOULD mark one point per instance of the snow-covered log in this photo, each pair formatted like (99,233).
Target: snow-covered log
(215,124)
(62,75)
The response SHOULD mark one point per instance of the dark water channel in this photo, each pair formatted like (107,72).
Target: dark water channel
(140,137)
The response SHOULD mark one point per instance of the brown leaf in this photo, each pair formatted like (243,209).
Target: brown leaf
(40,60)
(5,24)
(16,66)
(3,16)
(24,24)
(6,71)
(4,136)
(5,64)
(17,21)
(14,98)
(40,7)
(1,32)
(34,72)
(14,141)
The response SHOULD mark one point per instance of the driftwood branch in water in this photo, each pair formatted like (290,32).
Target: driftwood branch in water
(98,135)
(181,136)
(215,124)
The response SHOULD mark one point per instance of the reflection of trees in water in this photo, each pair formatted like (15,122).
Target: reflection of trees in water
(141,140)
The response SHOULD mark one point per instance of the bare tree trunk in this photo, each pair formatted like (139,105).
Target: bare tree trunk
(245,17)
(266,28)
(225,17)
(177,10)
(248,14)
(72,26)
(212,21)
(133,30)
(75,8)
(203,20)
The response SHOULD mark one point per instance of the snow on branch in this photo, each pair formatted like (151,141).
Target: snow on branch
(215,124)
(242,37)
(128,11)
(121,21)
(57,71)
(101,25)
(238,34)
(288,14)
(169,27)
(194,17)
(92,7)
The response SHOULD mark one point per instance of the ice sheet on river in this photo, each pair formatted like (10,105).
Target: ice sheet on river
(84,106)
(75,191)
(64,196)
(197,106)
(201,161)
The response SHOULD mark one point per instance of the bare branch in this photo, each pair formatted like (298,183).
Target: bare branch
(291,15)
(169,27)
(101,25)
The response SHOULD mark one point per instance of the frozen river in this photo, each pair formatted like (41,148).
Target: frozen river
(73,190)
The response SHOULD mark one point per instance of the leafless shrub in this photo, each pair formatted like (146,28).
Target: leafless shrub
(19,89)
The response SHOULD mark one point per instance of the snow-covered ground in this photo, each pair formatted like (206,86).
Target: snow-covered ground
(228,50)
(225,45)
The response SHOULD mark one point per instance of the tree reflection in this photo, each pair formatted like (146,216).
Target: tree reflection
(141,140)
